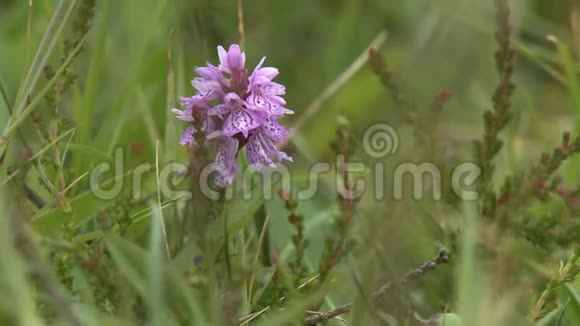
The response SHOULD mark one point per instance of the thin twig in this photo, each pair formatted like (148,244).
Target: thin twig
(34,197)
(248,318)
(335,86)
(256,314)
(441,258)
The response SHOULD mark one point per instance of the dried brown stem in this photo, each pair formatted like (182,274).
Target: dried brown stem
(241,28)
(442,258)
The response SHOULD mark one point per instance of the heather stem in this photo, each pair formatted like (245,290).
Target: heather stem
(442,257)
(496,120)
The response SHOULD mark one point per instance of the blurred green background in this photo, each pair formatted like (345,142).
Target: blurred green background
(121,98)
(431,46)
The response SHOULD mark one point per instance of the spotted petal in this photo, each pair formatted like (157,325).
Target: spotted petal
(187,137)
(220,110)
(242,121)
(261,150)
(225,162)
(207,89)
(274,130)
(256,153)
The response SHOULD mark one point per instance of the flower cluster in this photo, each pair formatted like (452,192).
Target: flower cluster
(234,110)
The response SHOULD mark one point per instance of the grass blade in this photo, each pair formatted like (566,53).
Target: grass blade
(562,312)
(47,45)
(155,266)
(19,118)
(171,135)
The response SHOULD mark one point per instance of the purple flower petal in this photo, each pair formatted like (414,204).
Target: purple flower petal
(273,88)
(234,110)
(208,89)
(210,72)
(265,98)
(242,121)
(274,130)
(223,57)
(261,150)
(236,59)
(225,162)
(256,153)
(184,115)
(187,137)
(220,110)
(231,61)
(190,102)
(262,75)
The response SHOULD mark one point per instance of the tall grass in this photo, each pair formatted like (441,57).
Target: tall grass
(85,83)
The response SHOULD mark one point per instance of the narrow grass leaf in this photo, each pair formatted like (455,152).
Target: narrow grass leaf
(567,62)
(59,19)
(156,291)
(562,312)
(25,110)
(574,294)
(171,134)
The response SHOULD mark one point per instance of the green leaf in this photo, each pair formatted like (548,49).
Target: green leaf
(18,299)
(567,62)
(562,312)
(132,261)
(85,111)
(573,311)
(241,215)
(139,224)
(4,95)
(155,266)
(84,207)
(451,320)
(260,221)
